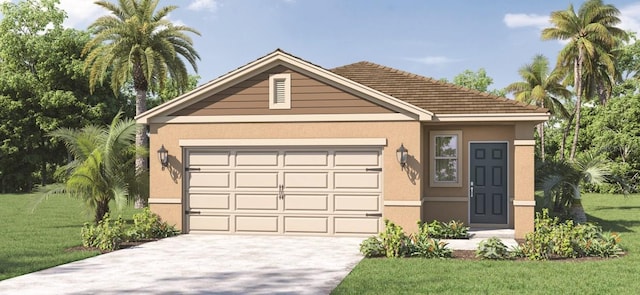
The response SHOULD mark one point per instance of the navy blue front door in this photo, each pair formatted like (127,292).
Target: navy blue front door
(488,183)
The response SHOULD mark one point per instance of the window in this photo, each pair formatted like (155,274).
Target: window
(280,91)
(445,158)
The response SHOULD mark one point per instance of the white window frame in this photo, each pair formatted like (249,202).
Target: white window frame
(286,105)
(432,179)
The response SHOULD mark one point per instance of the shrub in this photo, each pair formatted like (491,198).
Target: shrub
(567,240)
(492,248)
(148,225)
(440,230)
(106,235)
(395,242)
(372,247)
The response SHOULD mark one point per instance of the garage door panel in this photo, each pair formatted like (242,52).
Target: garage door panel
(306,202)
(357,202)
(209,223)
(209,179)
(256,202)
(257,224)
(269,158)
(310,158)
(256,179)
(354,225)
(209,159)
(209,201)
(295,224)
(357,158)
(356,180)
(306,180)
(284,191)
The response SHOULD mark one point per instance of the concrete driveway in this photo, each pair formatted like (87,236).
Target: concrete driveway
(203,264)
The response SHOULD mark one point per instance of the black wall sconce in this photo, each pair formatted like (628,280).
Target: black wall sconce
(163,156)
(401,155)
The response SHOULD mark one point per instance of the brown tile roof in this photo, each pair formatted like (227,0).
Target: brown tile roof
(432,95)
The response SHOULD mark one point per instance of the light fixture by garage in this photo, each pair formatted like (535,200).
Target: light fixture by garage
(163,156)
(402,154)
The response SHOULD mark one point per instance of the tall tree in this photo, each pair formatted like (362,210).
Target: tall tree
(137,42)
(541,88)
(592,35)
(42,87)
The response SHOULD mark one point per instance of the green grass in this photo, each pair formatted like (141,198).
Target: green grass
(35,236)
(429,276)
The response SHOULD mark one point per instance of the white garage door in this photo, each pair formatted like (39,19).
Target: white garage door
(284,191)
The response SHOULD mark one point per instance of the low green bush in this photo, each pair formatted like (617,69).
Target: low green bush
(441,230)
(372,247)
(552,238)
(492,248)
(394,243)
(148,225)
(108,234)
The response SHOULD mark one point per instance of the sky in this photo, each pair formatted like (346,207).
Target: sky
(438,39)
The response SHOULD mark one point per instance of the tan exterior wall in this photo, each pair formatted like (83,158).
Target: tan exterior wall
(398,184)
(308,96)
(524,186)
(405,216)
(171,213)
(458,209)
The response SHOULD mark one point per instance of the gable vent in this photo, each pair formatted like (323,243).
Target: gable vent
(279,87)
(280,91)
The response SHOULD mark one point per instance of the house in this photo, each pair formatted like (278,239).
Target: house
(284,146)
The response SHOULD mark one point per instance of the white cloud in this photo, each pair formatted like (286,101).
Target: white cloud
(519,20)
(80,14)
(434,60)
(211,5)
(630,17)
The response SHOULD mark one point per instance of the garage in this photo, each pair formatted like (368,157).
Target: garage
(283,190)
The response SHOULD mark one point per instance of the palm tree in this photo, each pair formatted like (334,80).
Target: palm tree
(102,168)
(562,182)
(136,41)
(591,35)
(541,88)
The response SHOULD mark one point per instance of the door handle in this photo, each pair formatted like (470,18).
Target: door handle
(471,189)
(281,191)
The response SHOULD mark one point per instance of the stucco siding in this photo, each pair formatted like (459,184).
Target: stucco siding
(398,184)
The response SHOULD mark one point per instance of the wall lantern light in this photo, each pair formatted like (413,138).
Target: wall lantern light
(401,155)
(163,156)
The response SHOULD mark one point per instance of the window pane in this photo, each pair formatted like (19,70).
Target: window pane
(446,170)
(447,146)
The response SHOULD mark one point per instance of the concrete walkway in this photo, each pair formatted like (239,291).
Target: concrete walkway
(215,264)
(203,264)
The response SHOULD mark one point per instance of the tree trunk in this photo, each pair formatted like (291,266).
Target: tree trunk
(565,134)
(541,134)
(577,212)
(578,85)
(141,141)
(102,208)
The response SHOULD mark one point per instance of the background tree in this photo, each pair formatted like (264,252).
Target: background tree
(42,87)
(102,168)
(479,81)
(540,88)
(591,35)
(137,42)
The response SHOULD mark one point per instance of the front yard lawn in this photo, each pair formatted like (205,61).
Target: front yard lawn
(38,237)
(590,276)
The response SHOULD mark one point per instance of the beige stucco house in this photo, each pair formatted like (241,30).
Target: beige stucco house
(284,146)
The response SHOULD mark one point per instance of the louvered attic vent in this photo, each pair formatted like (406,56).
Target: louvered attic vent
(280,91)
